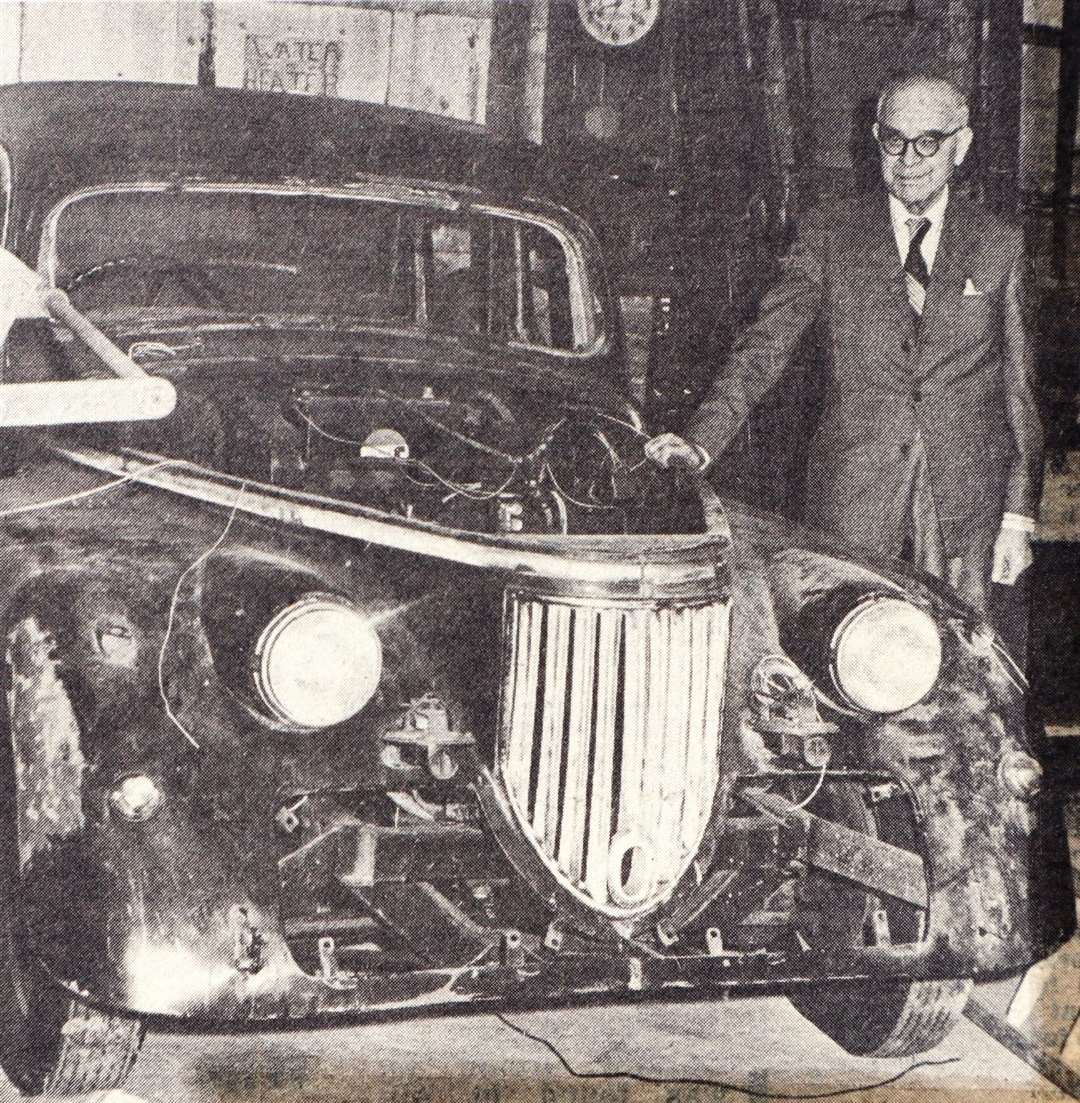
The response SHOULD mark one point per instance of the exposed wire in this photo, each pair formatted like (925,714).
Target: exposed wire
(1020,682)
(467,492)
(457,488)
(825,699)
(326,433)
(80,495)
(615,420)
(817,788)
(573,501)
(199,560)
(688,1081)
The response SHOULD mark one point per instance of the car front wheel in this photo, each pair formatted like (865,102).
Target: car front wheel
(870,1018)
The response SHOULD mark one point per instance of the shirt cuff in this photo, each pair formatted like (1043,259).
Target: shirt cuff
(706,459)
(1018,522)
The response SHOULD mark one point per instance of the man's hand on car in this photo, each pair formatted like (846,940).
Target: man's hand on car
(670,450)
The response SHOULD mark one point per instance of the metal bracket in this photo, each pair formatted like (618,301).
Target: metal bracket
(513,949)
(873,863)
(286,817)
(554,937)
(247,942)
(879,927)
(328,962)
(426,726)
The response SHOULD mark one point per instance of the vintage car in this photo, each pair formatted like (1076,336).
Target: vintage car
(385,675)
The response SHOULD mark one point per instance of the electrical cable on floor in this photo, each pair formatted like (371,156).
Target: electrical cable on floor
(702,1082)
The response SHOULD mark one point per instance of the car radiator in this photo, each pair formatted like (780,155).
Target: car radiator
(609,737)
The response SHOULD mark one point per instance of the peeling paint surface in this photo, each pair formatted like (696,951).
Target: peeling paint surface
(49,761)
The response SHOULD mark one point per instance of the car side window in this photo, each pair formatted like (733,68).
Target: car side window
(504,278)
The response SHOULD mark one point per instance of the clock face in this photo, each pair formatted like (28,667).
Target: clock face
(618,22)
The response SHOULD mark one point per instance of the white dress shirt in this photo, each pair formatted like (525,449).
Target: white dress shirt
(934,214)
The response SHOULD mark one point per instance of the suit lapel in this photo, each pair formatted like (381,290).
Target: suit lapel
(882,252)
(951,265)
(881,271)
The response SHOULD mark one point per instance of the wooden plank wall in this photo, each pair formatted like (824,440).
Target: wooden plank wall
(427,56)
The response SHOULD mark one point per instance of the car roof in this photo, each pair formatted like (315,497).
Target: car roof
(102,127)
(63,136)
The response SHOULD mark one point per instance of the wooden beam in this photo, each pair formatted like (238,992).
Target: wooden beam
(519,35)
(1068,100)
(1044,1063)
(1003,58)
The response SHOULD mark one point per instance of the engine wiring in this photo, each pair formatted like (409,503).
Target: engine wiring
(442,480)
(464,438)
(549,471)
(463,491)
(518,463)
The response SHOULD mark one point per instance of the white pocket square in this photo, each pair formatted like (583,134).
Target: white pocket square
(970,288)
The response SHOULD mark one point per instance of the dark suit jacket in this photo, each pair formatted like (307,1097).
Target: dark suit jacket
(961,378)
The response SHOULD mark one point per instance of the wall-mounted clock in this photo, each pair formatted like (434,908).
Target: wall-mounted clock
(618,22)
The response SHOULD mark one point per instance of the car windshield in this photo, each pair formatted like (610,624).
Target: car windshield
(513,278)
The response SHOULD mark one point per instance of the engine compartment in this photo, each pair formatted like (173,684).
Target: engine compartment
(471,453)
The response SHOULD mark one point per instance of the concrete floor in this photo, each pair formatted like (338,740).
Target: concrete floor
(758,1043)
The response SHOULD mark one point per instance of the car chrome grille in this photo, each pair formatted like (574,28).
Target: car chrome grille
(610,737)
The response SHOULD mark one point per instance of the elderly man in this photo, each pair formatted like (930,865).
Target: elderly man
(929,444)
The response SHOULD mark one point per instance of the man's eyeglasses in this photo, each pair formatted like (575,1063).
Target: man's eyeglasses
(926,145)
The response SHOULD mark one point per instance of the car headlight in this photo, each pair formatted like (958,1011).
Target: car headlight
(885,655)
(317,662)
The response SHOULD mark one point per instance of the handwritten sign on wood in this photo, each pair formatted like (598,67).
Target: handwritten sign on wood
(292,64)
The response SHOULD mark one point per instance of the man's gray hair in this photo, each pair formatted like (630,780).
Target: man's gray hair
(950,94)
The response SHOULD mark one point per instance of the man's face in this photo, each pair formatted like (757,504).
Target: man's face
(915,180)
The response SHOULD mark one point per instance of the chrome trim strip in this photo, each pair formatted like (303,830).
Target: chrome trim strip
(538,556)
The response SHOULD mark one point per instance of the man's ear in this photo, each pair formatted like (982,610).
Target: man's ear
(876,131)
(963,144)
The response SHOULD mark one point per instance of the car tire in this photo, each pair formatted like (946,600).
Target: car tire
(50,1042)
(873,1019)
(870,1018)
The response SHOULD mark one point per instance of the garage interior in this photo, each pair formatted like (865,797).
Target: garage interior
(698,145)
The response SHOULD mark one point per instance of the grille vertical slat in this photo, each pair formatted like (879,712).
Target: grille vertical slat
(610,734)
(579,737)
(698,780)
(556,673)
(713,713)
(654,770)
(603,768)
(635,711)
(677,775)
(526,634)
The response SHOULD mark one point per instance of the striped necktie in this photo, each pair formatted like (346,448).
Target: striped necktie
(916,274)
